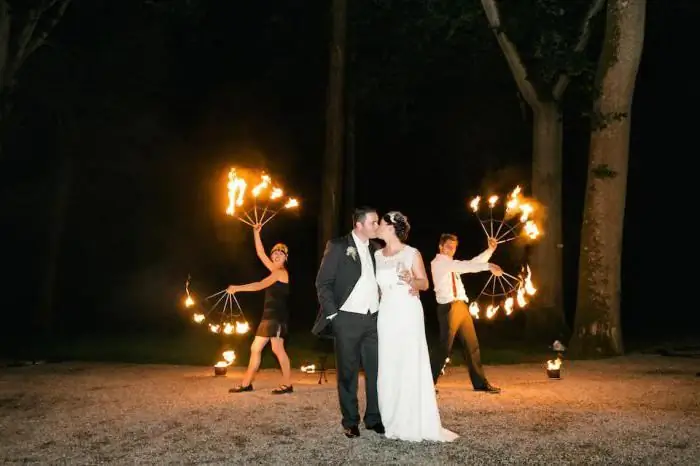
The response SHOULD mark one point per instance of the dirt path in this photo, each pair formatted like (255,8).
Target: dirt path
(632,410)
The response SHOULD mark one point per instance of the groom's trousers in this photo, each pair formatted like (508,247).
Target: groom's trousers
(355,345)
(454,318)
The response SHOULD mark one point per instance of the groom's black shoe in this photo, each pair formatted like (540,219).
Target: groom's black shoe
(488,388)
(378,428)
(352,432)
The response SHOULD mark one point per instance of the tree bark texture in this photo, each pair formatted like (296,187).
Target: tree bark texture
(547,320)
(597,330)
(332,182)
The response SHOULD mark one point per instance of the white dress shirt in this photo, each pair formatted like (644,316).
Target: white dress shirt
(446,273)
(365,295)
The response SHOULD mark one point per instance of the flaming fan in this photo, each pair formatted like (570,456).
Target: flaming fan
(245,206)
(221,318)
(516,223)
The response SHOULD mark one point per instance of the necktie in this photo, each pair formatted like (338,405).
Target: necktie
(454,285)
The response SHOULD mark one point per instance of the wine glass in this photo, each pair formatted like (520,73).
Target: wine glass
(401,269)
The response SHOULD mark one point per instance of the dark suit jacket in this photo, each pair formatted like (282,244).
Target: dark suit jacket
(337,276)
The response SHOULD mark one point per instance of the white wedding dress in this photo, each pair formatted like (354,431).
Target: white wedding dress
(407,400)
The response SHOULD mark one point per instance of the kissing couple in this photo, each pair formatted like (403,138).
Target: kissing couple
(369,303)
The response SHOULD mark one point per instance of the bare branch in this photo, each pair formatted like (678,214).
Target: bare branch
(510,51)
(23,41)
(41,38)
(584,35)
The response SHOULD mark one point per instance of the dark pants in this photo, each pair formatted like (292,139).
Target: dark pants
(454,318)
(355,344)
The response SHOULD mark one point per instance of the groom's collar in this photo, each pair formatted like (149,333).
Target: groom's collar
(357,240)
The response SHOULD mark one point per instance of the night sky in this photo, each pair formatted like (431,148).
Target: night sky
(149,107)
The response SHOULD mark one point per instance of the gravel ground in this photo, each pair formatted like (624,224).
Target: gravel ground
(631,410)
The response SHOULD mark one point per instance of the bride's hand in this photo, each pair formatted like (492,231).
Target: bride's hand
(406,276)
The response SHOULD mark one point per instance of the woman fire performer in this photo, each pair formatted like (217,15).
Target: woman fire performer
(273,325)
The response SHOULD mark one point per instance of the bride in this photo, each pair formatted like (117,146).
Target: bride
(407,401)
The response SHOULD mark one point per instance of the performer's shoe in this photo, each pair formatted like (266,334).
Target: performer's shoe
(378,428)
(241,388)
(352,432)
(282,389)
(488,388)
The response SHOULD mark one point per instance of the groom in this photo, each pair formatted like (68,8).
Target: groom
(349,299)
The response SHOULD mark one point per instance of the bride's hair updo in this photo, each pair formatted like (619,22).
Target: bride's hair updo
(400,223)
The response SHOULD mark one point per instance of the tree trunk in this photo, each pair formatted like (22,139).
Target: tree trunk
(597,328)
(44,318)
(331,181)
(546,320)
(350,162)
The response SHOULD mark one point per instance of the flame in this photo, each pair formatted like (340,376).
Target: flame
(229,356)
(291,203)
(513,199)
(236,190)
(508,305)
(525,211)
(474,309)
(276,193)
(492,201)
(264,183)
(531,230)
(189,302)
(198,318)
(554,365)
(491,311)
(474,204)
(228,328)
(214,328)
(242,327)
(527,282)
(310,369)
(444,366)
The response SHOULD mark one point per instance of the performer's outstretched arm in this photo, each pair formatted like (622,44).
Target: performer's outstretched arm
(326,279)
(260,249)
(275,276)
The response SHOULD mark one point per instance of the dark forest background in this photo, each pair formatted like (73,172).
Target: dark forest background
(124,125)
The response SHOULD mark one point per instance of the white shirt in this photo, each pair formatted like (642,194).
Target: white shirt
(444,269)
(365,295)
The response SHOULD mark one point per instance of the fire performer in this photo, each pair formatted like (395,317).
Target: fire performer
(452,312)
(273,325)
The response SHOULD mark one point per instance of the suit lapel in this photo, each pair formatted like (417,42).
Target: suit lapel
(355,260)
(372,250)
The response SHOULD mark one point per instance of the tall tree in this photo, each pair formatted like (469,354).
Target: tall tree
(24,27)
(332,181)
(544,51)
(597,330)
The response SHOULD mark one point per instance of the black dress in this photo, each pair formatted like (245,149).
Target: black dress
(275,311)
